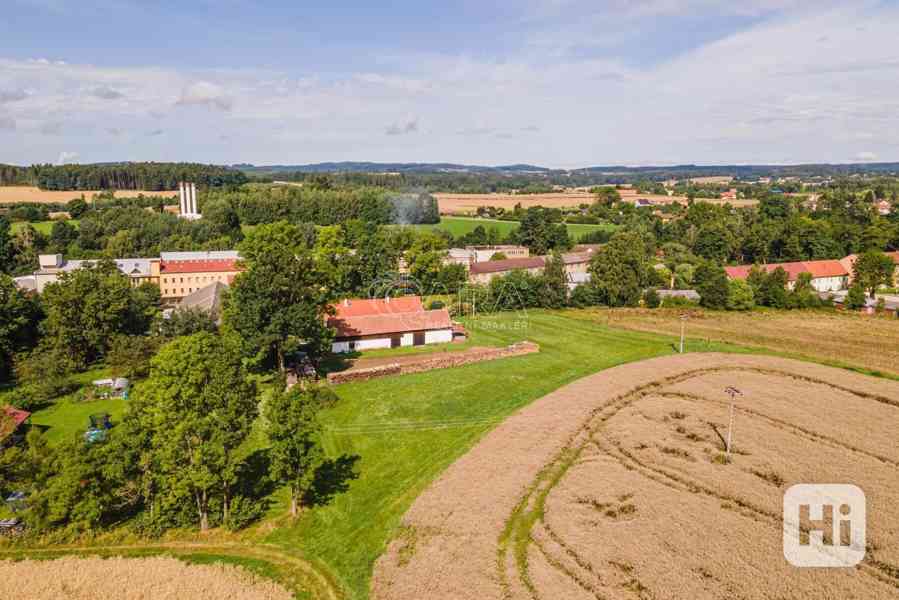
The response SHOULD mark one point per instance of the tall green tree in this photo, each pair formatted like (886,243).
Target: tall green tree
(200,407)
(712,286)
(872,270)
(554,292)
(294,431)
(19,315)
(619,271)
(88,306)
(279,302)
(7,247)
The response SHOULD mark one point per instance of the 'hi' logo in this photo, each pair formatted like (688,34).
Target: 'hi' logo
(824,525)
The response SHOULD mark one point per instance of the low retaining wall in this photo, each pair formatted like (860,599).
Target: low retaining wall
(431,362)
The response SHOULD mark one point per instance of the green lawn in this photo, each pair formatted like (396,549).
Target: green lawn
(67,418)
(406,430)
(68,415)
(42,226)
(459,226)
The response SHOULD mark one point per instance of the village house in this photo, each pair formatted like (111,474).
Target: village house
(366,324)
(827,275)
(730,194)
(884,208)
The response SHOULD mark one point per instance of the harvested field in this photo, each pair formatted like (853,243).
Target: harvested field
(467,203)
(843,338)
(10,194)
(154,578)
(614,487)
(458,204)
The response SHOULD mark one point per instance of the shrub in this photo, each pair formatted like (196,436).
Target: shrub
(651,298)
(739,295)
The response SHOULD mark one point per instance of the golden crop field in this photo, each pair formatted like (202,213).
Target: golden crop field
(853,339)
(618,486)
(10,194)
(94,578)
(454,204)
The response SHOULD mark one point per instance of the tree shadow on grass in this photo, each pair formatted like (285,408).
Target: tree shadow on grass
(331,478)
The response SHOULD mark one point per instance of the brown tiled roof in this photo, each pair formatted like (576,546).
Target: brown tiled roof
(361,307)
(573,258)
(426,320)
(509,264)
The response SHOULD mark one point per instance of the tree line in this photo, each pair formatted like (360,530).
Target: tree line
(151,176)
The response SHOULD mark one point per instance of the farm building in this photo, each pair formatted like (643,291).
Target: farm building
(827,275)
(484,272)
(388,323)
(208,299)
(475,254)
(183,273)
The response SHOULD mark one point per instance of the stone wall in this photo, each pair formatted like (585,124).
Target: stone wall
(429,362)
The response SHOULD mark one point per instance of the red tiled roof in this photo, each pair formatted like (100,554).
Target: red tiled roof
(11,419)
(825,268)
(816,268)
(198,266)
(509,264)
(360,307)
(425,320)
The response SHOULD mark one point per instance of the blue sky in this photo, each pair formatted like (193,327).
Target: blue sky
(554,82)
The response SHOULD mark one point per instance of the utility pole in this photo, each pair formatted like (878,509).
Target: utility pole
(733,392)
(683,322)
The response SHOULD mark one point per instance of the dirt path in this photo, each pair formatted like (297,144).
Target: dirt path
(611,488)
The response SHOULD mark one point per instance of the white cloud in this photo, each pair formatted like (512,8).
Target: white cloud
(866,156)
(795,88)
(205,93)
(66,158)
(7,124)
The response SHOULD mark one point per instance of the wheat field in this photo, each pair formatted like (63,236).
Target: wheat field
(617,486)
(154,578)
(11,194)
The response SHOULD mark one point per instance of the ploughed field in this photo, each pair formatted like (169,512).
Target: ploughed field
(155,578)
(615,486)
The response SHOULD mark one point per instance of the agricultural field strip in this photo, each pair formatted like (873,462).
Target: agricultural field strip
(525,526)
(592,430)
(313,579)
